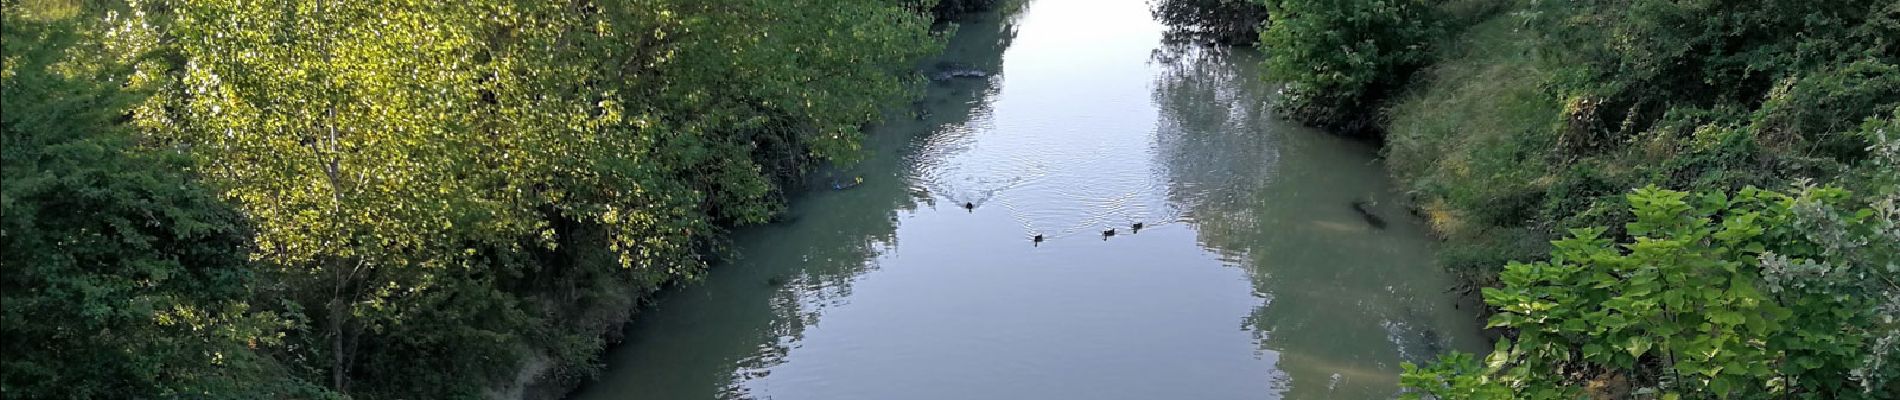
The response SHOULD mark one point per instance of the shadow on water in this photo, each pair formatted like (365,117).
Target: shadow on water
(1216,162)
(1344,301)
(761,307)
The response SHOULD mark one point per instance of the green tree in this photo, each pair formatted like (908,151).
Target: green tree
(1341,59)
(417,171)
(120,275)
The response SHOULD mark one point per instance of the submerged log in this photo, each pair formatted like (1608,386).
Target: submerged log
(1365,211)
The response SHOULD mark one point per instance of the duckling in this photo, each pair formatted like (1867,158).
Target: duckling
(1108,232)
(1137,227)
(969,206)
(1036,239)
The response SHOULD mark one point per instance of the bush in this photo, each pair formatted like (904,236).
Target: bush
(1341,59)
(1538,117)
(1756,296)
(1626,66)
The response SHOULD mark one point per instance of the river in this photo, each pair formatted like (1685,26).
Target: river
(1253,277)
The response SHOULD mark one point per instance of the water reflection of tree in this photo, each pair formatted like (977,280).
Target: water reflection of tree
(814,261)
(1274,203)
(843,240)
(1220,164)
(777,281)
(1208,142)
(1219,21)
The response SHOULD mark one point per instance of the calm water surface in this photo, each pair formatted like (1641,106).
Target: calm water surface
(1253,277)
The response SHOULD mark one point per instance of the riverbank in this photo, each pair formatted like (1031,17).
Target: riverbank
(1573,132)
(319,199)
(541,379)
(1506,142)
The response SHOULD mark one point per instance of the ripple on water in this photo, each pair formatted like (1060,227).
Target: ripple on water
(1055,181)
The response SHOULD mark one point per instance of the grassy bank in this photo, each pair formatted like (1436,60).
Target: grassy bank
(1467,146)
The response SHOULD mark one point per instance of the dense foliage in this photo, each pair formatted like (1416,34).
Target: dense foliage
(124,278)
(1339,59)
(1540,117)
(1759,295)
(1529,117)
(398,199)
(945,10)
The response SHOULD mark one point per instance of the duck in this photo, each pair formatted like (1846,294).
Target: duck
(969,206)
(854,182)
(1036,239)
(1108,232)
(1137,227)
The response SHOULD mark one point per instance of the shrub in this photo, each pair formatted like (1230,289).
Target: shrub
(1756,295)
(1341,59)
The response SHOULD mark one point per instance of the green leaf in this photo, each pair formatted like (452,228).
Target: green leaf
(1637,345)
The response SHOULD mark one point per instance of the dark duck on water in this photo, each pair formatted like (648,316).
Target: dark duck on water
(842,185)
